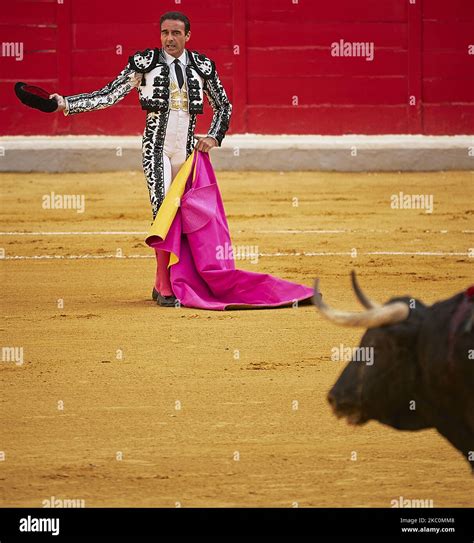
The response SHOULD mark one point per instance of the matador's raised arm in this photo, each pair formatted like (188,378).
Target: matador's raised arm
(109,95)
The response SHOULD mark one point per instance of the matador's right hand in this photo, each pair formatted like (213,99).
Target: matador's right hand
(60,100)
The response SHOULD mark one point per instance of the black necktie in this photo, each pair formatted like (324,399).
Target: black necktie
(179,73)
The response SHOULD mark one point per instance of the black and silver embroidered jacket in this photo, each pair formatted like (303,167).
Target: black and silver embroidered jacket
(153,89)
(149,73)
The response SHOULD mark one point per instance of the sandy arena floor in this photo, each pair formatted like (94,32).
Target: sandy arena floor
(121,367)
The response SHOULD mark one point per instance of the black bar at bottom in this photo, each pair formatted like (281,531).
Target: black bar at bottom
(402,524)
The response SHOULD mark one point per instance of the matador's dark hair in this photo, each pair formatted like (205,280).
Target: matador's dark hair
(176,16)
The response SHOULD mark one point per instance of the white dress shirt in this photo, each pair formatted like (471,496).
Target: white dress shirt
(183,60)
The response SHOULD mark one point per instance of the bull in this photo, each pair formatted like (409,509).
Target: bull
(423,370)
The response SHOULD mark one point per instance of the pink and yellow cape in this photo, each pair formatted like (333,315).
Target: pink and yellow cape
(191,225)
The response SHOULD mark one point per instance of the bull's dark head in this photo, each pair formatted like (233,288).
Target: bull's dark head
(386,389)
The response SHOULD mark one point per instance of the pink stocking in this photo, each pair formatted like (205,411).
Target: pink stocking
(162,279)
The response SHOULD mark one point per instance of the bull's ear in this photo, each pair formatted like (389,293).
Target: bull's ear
(409,329)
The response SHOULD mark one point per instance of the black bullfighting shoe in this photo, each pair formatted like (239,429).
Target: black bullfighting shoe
(166,301)
(154,294)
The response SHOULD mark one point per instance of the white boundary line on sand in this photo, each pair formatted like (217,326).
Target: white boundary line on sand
(346,253)
(96,233)
(137,233)
(73,257)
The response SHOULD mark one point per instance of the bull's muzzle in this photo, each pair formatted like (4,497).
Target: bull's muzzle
(346,405)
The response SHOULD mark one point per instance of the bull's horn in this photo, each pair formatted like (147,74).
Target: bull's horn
(366,302)
(378,316)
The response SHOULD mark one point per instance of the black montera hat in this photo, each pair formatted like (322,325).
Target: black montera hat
(35,97)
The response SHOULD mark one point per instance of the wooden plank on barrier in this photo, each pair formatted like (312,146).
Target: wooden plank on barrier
(415,97)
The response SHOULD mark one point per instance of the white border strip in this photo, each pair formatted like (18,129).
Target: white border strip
(252,141)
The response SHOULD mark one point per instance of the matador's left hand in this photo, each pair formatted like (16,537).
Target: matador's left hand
(206,144)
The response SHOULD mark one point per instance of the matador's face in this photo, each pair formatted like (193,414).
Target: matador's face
(173,37)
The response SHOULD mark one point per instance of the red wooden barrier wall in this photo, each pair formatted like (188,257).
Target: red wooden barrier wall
(274,58)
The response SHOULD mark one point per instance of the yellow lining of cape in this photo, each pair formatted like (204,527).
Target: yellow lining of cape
(169,207)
